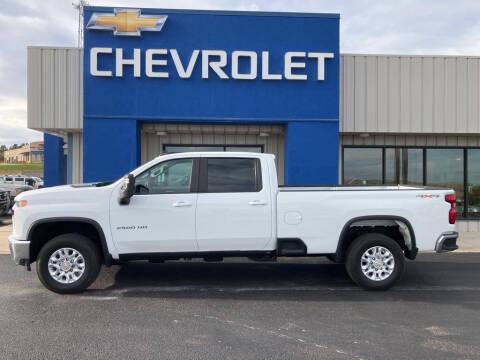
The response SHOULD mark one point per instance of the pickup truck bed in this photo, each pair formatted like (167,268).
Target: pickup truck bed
(326,211)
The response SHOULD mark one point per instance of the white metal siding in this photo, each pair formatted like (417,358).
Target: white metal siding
(409,94)
(183,134)
(378,93)
(55,88)
(77,160)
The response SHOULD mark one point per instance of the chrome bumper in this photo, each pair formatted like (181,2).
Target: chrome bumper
(19,250)
(447,242)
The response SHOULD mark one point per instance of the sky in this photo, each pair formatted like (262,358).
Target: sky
(433,27)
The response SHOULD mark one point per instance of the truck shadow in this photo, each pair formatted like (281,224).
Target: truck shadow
(316,280)
(229,276)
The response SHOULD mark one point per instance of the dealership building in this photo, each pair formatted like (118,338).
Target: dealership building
(153,81)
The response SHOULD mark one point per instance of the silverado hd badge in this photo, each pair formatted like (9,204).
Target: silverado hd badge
(133,227)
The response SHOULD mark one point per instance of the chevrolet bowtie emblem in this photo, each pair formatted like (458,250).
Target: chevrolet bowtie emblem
(128,22)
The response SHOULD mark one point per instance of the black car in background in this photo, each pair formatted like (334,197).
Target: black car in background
(5,201)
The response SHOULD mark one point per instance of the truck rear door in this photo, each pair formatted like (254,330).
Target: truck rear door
(234,205)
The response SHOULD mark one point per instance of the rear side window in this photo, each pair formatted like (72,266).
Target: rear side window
(226,175)
(8,179)
(19,179)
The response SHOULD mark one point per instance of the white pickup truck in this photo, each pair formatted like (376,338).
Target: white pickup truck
(215,205)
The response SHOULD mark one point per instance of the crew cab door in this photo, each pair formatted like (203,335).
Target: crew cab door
(161,214)
(234,209)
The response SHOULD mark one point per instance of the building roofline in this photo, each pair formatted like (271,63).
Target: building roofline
(220,12)
(412,55)
(50,47)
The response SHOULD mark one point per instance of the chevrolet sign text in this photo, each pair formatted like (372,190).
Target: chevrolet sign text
(213,63)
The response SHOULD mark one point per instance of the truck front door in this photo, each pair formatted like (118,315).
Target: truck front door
(161,215)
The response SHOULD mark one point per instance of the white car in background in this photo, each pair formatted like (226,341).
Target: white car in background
(15,179)
(32,181)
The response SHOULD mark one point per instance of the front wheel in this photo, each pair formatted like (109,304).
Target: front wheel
(375,261)
(68,263)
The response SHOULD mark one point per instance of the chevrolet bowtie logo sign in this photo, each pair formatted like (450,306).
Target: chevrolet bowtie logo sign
(129,22)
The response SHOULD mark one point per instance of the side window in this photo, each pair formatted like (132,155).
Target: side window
(233,175)
(168,177)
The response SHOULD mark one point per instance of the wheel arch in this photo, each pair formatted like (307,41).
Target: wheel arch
(36,228)
(345,240)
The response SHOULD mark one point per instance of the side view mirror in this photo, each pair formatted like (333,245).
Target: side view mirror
(127,190)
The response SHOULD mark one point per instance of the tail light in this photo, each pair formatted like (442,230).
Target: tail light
(452,214)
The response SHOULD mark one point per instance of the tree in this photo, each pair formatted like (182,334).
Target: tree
(3,148)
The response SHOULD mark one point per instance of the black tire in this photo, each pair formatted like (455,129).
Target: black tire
(353,262)
(90,255)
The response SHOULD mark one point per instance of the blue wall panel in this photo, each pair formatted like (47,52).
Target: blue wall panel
(110,148)
(113,106)
(311,153)
(54,161)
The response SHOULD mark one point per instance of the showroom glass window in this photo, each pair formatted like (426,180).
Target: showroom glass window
(473,183)
(410,166)
(391,171)
(362,166)
(445,169)
(457,168)
(404,166)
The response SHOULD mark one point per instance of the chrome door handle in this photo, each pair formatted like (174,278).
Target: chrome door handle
(257,202)
(181,204)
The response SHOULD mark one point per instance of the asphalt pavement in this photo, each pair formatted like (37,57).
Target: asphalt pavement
(305,309)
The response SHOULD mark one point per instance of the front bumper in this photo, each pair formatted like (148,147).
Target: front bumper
(447,242)
(19,250)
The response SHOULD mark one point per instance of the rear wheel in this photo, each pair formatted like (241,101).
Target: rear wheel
(375,261)
(68,263)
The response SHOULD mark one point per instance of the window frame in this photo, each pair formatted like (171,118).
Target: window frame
(203,175)
(261,146)
(193,180)
(461,216)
